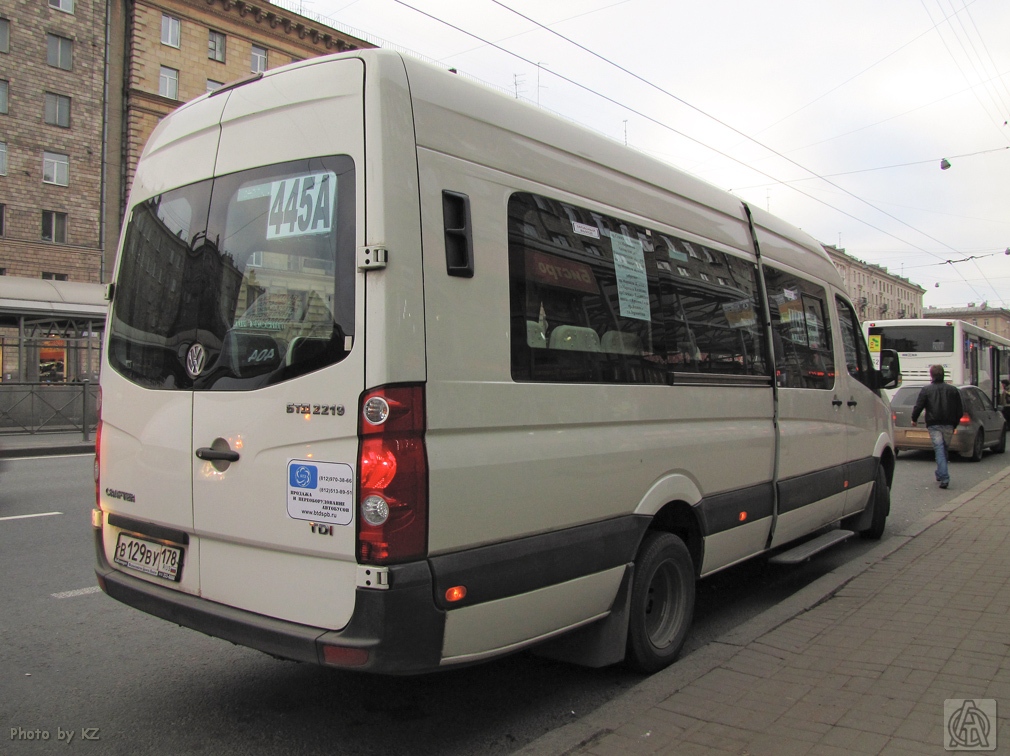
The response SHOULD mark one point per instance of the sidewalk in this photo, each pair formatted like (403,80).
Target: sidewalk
(45,444)
(860,661)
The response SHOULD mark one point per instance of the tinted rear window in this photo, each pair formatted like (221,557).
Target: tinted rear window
(905,397)
(240,281)
(939,338)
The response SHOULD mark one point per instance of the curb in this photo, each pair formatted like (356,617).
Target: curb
(581,734)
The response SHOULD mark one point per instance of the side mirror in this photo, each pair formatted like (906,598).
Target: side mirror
(890,369)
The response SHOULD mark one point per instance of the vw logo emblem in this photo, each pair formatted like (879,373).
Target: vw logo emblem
(196,358)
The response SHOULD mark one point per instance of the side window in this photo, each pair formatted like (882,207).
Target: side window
(597,299)
(857,356)
(709,302)
(801,331)
(985,401)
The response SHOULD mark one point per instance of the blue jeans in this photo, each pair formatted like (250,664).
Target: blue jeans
(940,435)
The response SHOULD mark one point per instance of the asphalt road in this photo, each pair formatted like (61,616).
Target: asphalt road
(76,665)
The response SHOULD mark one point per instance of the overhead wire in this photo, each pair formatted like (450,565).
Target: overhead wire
(670,128)
(722,123)
(957,64)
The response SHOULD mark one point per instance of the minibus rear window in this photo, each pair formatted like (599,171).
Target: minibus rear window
(240,281)
(596,299)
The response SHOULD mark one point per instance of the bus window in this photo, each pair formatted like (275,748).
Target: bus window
(595,299)
(801,330)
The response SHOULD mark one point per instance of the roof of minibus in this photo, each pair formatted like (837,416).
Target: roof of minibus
(440,97)
(435,91)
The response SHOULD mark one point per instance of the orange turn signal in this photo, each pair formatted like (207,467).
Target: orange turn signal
(743,517)
(456,593)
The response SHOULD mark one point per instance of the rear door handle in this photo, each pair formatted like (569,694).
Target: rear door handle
(836,402)
(227,455)
(851,403)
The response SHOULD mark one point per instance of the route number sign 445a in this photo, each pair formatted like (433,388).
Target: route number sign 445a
(302,205)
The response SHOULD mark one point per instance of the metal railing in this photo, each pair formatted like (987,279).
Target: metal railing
(48,408)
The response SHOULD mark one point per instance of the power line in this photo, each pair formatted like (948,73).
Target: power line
(734,130)
(670,128)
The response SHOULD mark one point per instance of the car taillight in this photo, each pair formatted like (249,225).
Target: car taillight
(965,420)
(392,522)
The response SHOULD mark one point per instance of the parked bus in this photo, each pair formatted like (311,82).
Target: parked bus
(403,374)
(970,355)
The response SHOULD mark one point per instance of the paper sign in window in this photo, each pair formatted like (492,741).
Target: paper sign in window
(632,283)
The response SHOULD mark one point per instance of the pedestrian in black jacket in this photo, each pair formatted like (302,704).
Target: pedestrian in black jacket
(942,403)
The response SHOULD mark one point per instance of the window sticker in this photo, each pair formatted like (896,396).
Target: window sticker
(585,229)
(632,284)
(320,491)
(740,314)
(302,205)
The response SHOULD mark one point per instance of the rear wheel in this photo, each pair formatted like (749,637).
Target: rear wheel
(978,447)
(662,602)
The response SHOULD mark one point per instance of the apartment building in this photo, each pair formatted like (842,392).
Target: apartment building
(83,83)
(875,292)
(52,69)
(995,319)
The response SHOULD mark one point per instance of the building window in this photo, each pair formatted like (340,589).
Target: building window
(57,110)
(54,227)
(171,30)
(3,223)
(67,6)
(54,276)
(60,51)
(215,46)
(3,158)
(213,86)
(55,168)
(168,83)
(259,59)
(5,35)
(4,87)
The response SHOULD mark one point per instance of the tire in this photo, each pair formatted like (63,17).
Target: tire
(978,447)
(1000,448)
(881,503)
(662,602)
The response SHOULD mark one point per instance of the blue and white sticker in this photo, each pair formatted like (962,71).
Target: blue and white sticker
(320,491)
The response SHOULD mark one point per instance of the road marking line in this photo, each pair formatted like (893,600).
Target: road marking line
(22,517)
(78,592)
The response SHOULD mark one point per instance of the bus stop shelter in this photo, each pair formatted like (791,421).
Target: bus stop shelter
(50,353)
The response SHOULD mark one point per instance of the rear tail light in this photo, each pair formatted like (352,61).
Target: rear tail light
(392,522)
(965,420)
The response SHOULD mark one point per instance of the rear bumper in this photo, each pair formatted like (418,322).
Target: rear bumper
(911,439)
(400,628)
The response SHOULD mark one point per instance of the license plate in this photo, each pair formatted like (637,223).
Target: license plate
(149,557)
(917,434)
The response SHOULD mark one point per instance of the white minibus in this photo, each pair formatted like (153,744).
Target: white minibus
(402,374)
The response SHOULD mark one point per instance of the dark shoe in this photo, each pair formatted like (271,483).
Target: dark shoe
(944,484)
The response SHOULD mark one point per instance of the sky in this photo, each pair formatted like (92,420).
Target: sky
(834,115)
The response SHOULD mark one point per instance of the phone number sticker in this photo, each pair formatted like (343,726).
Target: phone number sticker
(320,491)
(302,205)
